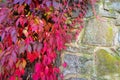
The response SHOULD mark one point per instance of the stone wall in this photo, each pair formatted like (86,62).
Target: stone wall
(95,55)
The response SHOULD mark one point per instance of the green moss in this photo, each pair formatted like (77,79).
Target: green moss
(107,64)
(109,34)
(111,11)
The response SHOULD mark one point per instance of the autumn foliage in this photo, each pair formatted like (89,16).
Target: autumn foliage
(32,32)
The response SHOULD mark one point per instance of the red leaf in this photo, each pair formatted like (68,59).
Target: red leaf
(35,76)
(62,76)
(22,20)
(28,40)
(38,67)
(56,70)
(22,71)
(64,64)
(46,70)
(20,9)
(32,56)
(12,78)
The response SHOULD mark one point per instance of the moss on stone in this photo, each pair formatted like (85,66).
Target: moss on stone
(107,64)
(109,34)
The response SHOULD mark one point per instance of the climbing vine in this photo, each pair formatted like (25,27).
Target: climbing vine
(32,32)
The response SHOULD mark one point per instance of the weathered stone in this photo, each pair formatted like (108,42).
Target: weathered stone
(113,5)
(107,64)
(77,79)
(78,47)
(117,22)
(118,49)
(95,55)
(105,13)
(99,32)
(81,49)
(116,39)
(118,36)
(77,64)
(89,12)
(99,10)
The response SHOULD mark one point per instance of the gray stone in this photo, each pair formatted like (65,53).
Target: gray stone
(105,13)
(89,12)
(116,39)
(99,33)
(81,49)
(77,79)
(117,23)
(119,36)
(77,64)
(112,5)
(101,11)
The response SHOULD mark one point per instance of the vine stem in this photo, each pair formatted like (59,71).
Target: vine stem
(94,11)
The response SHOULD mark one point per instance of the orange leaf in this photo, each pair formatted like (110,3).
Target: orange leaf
(23,63)
(0,50)
(18,63)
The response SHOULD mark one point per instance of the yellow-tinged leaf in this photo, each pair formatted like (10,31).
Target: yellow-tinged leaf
(48,13)
(23,63)
(51,8)
(28,13)
(65,15)
(16,78)
(0,50)
(25,32)
(37,20)
(45,14)
(17,64)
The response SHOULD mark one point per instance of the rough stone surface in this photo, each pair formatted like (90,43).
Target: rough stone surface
(95,55)
(112,5)
(89,11)
(81,49)
(106,13)
(77,64)
(117,21)
(108,64)
(77,79)
(99,33)
(119,36)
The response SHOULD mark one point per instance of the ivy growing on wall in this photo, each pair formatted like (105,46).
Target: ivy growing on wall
(31,34)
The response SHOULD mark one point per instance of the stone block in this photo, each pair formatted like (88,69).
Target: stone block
(106,13)
(100,33)
(81,49)
(77,65)
(113,5)
(101,10)
(107,65)
(77,79)
(117,22)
